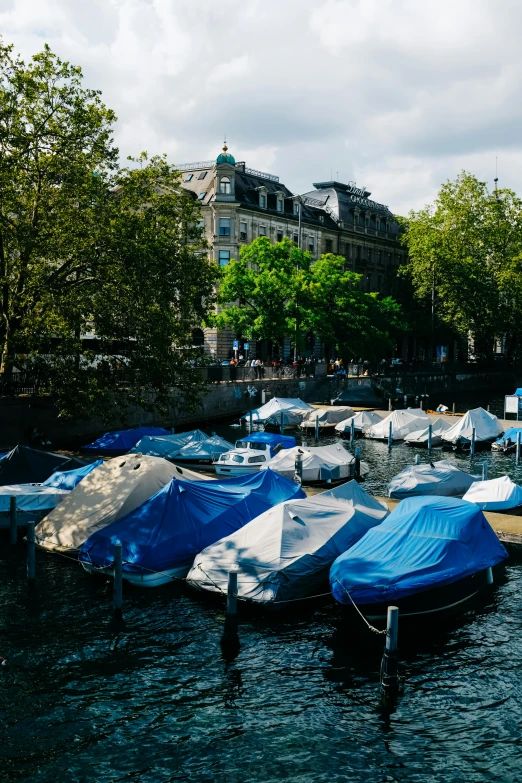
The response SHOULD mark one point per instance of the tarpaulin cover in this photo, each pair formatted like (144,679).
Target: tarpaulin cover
(495,495)
(509,435)
(185,517)
(278,404)
(68,479)
(317,462)
(437,478)
(24,465)
(438,427)
(403,422)
(272,438)
(286,552)
(31,497)
(487,427)
(326,416)
(362,422)
(207,449)
(167,446)
(424,543)
(120,441)
(518,392)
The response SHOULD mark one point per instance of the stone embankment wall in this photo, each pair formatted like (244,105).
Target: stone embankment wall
(438,382)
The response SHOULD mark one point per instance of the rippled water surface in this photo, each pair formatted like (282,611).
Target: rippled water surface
(152,699)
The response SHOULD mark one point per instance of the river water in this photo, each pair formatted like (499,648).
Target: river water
(152,699)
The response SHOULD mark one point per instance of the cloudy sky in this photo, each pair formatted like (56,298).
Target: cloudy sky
(398,95)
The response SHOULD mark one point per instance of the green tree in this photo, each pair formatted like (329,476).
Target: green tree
(88,249)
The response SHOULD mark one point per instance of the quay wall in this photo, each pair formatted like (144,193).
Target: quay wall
(438,382)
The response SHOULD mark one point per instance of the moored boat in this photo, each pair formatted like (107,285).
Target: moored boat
(498,494)
(508,442)
(485,425)
(433,478)
(119,442)
(421,437)
(402,422)
(289,411)
(319,464)
(252,452)
(326,418)
(203,452)
(362,422)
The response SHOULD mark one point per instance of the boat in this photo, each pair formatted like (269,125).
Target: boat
(362,422)
(430,555)
(203,452)
(25,465)
(161,537)
(497,494)
(286,553)
(487,429)
(68,479)
(166,446)
(319,464)
(326,417)
(420,437)
(432,478)
(402,421)
(508,442)
(119,442)
(108,493)
(287,410)
(252,452)
(360,396)
(33,502)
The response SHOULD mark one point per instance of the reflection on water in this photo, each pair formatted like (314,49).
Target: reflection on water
(152,700)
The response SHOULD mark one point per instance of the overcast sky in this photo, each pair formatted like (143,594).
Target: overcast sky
(399,95)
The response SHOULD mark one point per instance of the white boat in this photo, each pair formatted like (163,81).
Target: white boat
(326,417)
(251,453)
(433,478)
(487,429)
(362,422)
(319,464)
(290,409)
(420,437)
(402,421)
(495,495)
(286,552)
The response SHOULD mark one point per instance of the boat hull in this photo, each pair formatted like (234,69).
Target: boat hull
(222,469)
(145,579)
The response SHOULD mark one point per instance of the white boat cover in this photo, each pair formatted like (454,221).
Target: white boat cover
(326,416)
(319,463)
(31,497)
(487,427)
(286,552)
(495,495)
(274,407)
(403,422)
(438,478)
(112,490)
(362,422)
(167,446)
(438,427)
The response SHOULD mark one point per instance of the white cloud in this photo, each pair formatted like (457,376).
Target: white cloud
(397,94)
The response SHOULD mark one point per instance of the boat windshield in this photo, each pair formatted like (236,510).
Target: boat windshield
(247,444)
(260,458)
(237,458)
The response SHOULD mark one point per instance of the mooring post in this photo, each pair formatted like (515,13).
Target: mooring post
(484,471)
(31,555)
(430,436)
(421,403)
(282,428)
(489,576)
(317,427)
(172,430)
(357,463)
(13,529)
(472,447)
(389,404)
(417,459)
(488,408)
(250,420)
(117,593)
(453,410)
(230,638)
(390,436)
(299,466)
(389,666)
(352,430)
(517,453)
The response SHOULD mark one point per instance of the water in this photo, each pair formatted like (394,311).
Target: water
(86,699)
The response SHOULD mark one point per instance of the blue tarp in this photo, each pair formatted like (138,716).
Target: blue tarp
(183,518)
(68,479)
(518,392)
(273,440)
(120,441)
(426,542)
(24,465)
(510,434)
(169,445)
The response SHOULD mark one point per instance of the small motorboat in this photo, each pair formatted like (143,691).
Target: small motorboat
(288,411)
(430,555)
(508,442)
(68,479)
(433,478)
(33,502)
(251,453)
(420,437)
(119,442)
(167,446)
(319,464)
(402,423)
(498,494)
(25,465)
(326,418)
(486,426)
(362,422)
(203,452)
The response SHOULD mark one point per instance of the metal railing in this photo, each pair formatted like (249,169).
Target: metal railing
(231,374)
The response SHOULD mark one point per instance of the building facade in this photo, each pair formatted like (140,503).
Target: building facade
(239,204)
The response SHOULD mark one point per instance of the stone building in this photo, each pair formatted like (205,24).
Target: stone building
(240,204)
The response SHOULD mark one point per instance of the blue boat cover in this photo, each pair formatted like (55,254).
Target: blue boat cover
(24,465)
(68,479)
(168,445)
(426,542)
(120,441)
(183,518)
(272,438)
(518,393)
(510,434)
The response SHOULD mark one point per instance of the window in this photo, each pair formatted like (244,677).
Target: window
(328,245)
(260,458)
(224,185)
(202,175)
(188,177)
(262,200)
(202,195)
(201,225)
(377,224)
(224,257)
(311,244)
(243,231)
(379,257)
(237,458)
(296,207)
(262,231)
(279,235)
(224,227)
(198,338)
(280,205)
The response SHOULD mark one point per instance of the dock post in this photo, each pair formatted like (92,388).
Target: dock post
(389,667)
(172,430)
(417,459)
(390,436)
(421,404)
(453,410)
(472,447)
(250,420)
(13,529)
(357,463)
(430,436)
(488,408)
(117,593)
(31,555)
(299,466)
(230,638)
(517,452)
(389,404)
(317,428)
(282,427)
(352,430)
(484,471)
(489,576)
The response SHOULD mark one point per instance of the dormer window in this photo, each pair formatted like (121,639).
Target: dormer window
(202,175)
(296,207)
(262,200)
(224,185)
(280,204)
(188,177)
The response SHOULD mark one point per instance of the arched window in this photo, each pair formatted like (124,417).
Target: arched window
(198,338)
(224,185)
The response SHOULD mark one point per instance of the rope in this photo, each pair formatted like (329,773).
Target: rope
(370,626)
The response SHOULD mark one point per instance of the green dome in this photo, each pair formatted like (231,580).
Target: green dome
(224,157)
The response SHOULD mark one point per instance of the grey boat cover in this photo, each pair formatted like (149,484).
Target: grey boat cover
(319,463)
(286,552)
(327,417)
(402,421)
(438,427)
(438,478)
(272,410)
(487,427)
(362,422)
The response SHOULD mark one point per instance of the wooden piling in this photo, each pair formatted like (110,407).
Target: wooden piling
(352,430)
(517,451)
(172,430)
(317,428)
(417,459)
(484,471)
(230,638)
(117,593)
(299,466)
(453,410)
(13,525)
(389,665)
(430,436)
(357,463)
(390,436)
(31,554)
(489,576)
(389,404)
(472,447)
(282,427)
